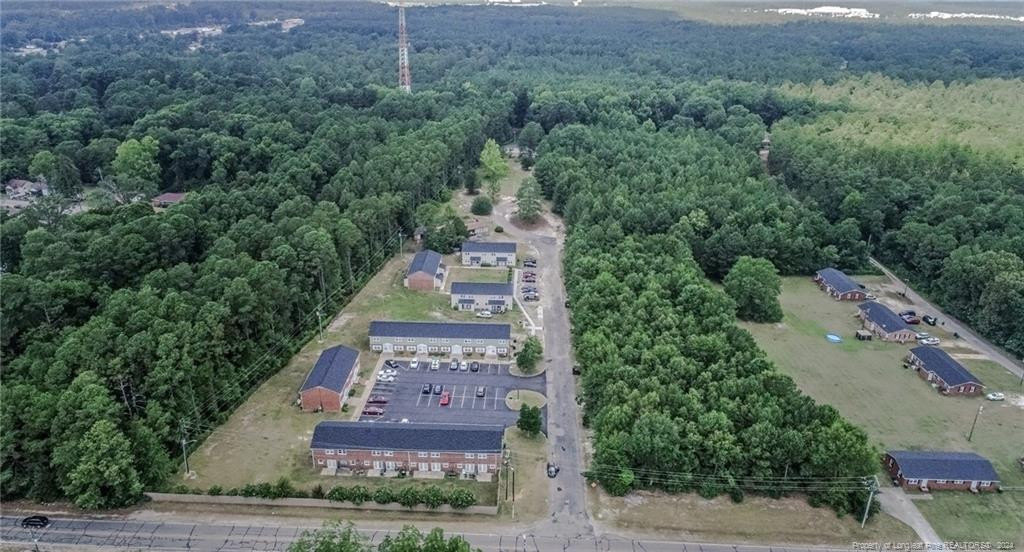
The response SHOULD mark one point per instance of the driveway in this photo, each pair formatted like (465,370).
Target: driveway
(897,504)
(967,335)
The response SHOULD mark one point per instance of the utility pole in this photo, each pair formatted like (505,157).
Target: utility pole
(320,324)
(976,415)
(513,492)
(872,488)
(404,75)
(184,447)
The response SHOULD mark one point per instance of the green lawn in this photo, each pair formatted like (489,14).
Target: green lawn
(486,275)
(867,384)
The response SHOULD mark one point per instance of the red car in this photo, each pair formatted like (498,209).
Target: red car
(911,319)
(373,411)
(446,398)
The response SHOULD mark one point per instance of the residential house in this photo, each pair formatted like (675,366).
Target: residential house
(936,366)
(477,227)
(838,285)
(480,253)
(410,447)
(938,470)
(441,338)
(887,325)
(476,296)
(167,199)
(426,271)
(328,382)
(26,189)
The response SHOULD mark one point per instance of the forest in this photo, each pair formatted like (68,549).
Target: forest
(303,163)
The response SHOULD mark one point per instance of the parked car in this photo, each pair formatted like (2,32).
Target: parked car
(907,313)
(377,399)
(438,388)
(929,319)
(453,365)
(391,364)
(414,362)
(930,341)
(530,260)
(529,264)
(529,289)
(373,411)
(481,391)
(922,335)
(529,274)
(576,370)
(996,396)
(435,364)
(385,378)
(426,388)
(553,470)
(484,314)
(463,367)
(870,296)
(911,319)
(474,366)
(389,372)
(531,297)
(35,522)
(446,398)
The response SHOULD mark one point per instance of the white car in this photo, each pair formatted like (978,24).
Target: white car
(930,341)
(435,364)
(464,366)
(385,378)
(484,314)
(922,335)
(389,372)
(995,396)
(414,363)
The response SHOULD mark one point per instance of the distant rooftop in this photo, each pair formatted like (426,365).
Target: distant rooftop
(488,247)
(481,288)
(406,436)
(456,330)
(332,369)
(951,466)
(425,261)
(838,280)
(883,316)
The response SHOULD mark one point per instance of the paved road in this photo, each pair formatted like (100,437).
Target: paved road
(1014,366)
(567,514)
(70,534)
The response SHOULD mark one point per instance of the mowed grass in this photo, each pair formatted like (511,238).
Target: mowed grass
(482,275)
(757,519)
(866,382)
(528,457)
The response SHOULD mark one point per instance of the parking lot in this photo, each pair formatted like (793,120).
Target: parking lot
(407,401)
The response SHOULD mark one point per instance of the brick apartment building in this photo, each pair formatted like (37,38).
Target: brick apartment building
(476,296)
(440,338)
(884,323)
(409,447)
(481,253)
(327,384)
(928,470)
(839,286)
(426,271)
(950,377)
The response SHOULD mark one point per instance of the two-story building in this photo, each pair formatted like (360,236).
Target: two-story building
(410,447)
(327,384)
(426,272)
(477,296)
(481,253)
(441,338)
(950,377)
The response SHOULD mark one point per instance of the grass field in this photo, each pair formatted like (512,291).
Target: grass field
(867,384)
(531,496)
(755,520)
(516,399)
(466,274)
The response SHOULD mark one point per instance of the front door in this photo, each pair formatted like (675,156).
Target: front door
(332,464)
(424,466)
(391,466)
(378,465)
(421,349)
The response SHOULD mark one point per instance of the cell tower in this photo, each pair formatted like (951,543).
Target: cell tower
(404,76)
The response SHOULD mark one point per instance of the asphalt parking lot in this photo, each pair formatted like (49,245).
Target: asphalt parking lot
(406,400)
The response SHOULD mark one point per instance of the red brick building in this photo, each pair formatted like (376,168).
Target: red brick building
(839,286)
(328,382)
(426,271)
(949,376)
(887,325)
(409,447)
(927,470)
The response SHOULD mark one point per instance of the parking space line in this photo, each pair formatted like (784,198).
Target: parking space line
(463,403)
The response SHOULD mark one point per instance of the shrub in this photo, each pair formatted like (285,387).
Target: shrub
(338,494)
(409,497)
(530,355)
(529,420)
(180,489)
(460,498)
(481,206)
(498,229)
(359,494)
(432,496)
(215,490)
(317,492)
(384,495)
(344,407)
(283,489)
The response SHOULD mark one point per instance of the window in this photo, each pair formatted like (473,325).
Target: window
(374,339)
(481,455)
(399,348)
(375,453)
(446,349)
(940,481)
(958,481)
(329,452)
(492,467)
(342,452)
(389,453)
(479,341)
(984,483)
(320,461)
(377,348)
(421,455)
(435,454)
(912,482)
(445,465)
(366,462)
(433,348)
(469,455)
(433,340)
(467,340)
(458,466)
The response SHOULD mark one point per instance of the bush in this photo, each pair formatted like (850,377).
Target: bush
(338,494)
(498,229)
(482,206)
(529,355)
(344,407)
(384,495)
(409,497)
(317,492)
(432,496)
(460,498)
(180,489)
(283,489)
(215,490)
(529,420)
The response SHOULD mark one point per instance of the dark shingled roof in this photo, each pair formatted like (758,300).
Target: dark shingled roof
(169,197)
(837,280)
(332,369)
(488,247)
(478,288)
(425,261)
(399,436)
(456,330)
(929,464)
(883,316)
(946,367)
